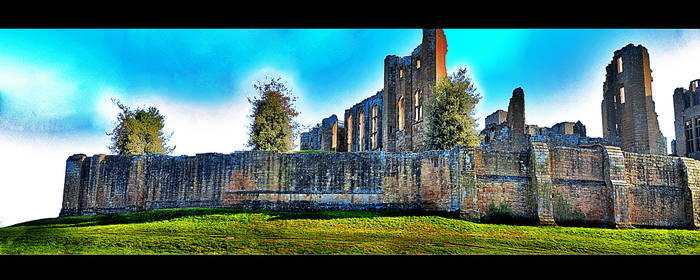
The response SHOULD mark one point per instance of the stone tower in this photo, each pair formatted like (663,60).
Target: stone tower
(407,82)
(516,114)
(686,107)
(629,115)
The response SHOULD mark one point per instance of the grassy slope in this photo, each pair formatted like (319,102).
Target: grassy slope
(227,231)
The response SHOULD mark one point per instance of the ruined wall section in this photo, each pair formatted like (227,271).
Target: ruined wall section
(629,116)
(601,186)
(502,179)
(687,120)
(579,193)
(104,184)
(358,124)
(329,135)
(398,103)
(304,141)
(656,194)
(516,113)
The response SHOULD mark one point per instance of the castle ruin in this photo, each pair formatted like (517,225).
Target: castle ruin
(392,119)
(507,130)
(687,121)
(547,176)
(629,115)
(326,136)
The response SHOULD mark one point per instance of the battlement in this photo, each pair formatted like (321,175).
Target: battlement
(598,185)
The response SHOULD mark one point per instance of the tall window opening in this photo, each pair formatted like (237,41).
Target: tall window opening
(361,136)
(334,139)
(689,147)
(400,110)
(418,106)
(697,134)
(349,131)
(400,73)
(418,63)
(622,95)
(619,65)
(375,112)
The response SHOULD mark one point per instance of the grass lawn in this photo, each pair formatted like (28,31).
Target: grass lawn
(229,231)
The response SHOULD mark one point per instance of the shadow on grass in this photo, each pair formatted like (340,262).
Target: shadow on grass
(168,214)
(337,214)
(129,217)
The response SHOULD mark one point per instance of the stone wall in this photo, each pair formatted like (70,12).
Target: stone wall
(359,125)
(407,82)
(255,180)
(598,186)
(329,135)
(687,120)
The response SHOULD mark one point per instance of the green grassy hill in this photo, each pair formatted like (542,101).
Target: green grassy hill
(228,231)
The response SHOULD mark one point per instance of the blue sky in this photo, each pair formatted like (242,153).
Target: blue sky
(56,85)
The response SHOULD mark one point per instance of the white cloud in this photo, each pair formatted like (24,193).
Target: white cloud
(673,65)
(33,171)
(37,92)
(107,111)
(202,128)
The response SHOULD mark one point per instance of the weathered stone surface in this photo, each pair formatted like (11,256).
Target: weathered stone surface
(541,182)
(687,120)
(628,110)
(614,176)
(362,131)
(329,135)
(392,119)
(601,186)
(508,130)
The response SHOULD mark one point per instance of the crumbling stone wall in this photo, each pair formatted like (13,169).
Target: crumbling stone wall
(358,122)
(508,130)
(329,135)
(304,141)
(579,194)
(502,178)
(407,80)
(599,185)
(654,196)
(261,180)
(687,120)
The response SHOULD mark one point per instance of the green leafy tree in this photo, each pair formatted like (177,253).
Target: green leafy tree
(139,132)
(274,127)
(450,113)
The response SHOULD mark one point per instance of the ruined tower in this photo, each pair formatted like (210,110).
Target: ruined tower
(392,119)
(628,111)
(516,113)
(407,82)
(686,107)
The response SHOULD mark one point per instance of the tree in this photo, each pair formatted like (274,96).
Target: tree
(139,132)
(273,125)
(450,113)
